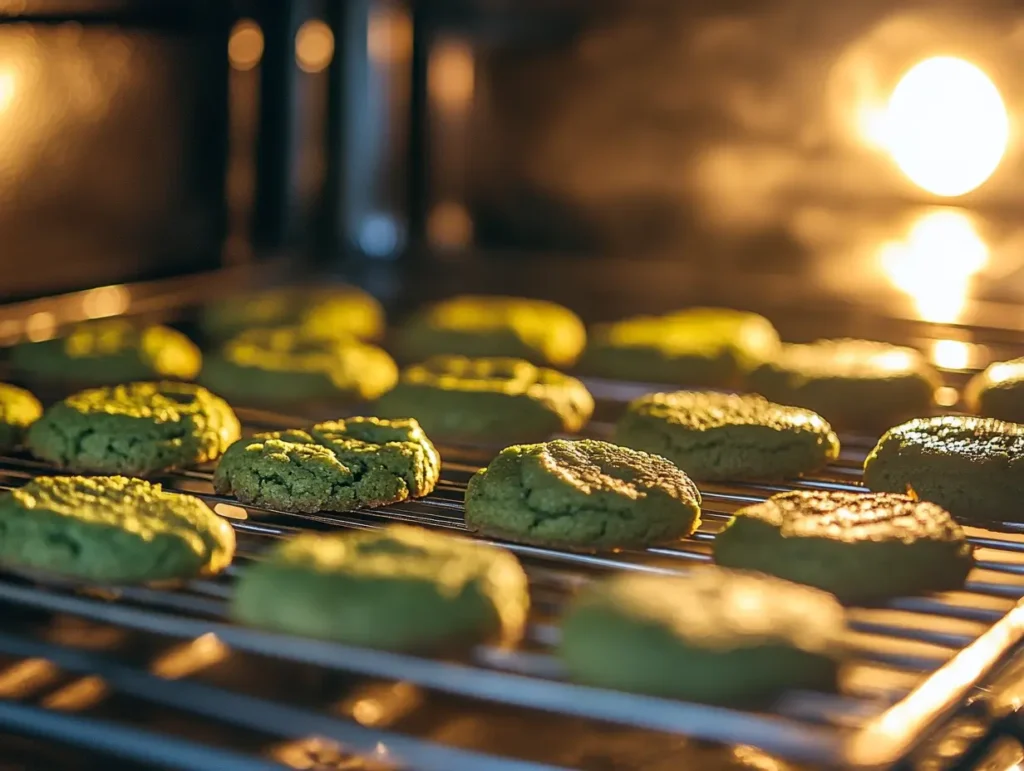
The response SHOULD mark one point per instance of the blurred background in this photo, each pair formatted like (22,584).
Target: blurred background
(858,158)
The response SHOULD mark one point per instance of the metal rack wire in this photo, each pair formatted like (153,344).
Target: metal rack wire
(917,659)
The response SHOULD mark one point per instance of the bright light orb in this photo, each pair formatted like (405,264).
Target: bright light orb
(946,126)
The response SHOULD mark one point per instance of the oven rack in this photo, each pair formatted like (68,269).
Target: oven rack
(918,659)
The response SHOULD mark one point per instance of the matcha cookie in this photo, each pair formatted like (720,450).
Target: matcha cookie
(338,312)
(709,347)
(138,428)
(335,466)
(718,636)
(18,410)
(998,392)
(853,384)
(715,436)
(972,467)
(861,547)
(286,365)
(585,495)
(111,530)
(477,325)
(398,588)
(109,351)
(488,400)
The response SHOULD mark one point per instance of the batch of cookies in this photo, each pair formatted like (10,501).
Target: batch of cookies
(492,372)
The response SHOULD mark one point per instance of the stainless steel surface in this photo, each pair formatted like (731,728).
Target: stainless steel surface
(917,661)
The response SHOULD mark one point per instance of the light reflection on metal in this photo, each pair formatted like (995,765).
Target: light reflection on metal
(245,46)
(191,657)
(951,354)
(451,75)
(946,396)
(230,511)
(449,226)
(25,677)
(314,46)
(81,694)
(40,326)
(389,35)
(945,126)
(105,301)
(936,263)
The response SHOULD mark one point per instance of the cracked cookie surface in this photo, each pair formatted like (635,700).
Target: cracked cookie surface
(111,530)
(339,465)
(109,351)
(861,547)
(582,494)
(482,325)
(714,436)
(136,428)
(288,365)
(18,410)
(711,635)
(488,400)
(972,467)
(397,588)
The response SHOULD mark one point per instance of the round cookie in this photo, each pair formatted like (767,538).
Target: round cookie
(716,436)
(398,588)
(109,351)
(137,428)
(337,311)
(711,635)
(18,410)
(998,392)
(477,325)
(488,400)
(972,467)
(111,530)
(335,466)
(286,365)
(584,495)
(707,347)
(860,547)
(853,384)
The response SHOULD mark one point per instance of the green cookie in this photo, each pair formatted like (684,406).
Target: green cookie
(710,347)
(853,384)
(109,351)
(137,428)
(584,495)
(972,467)
(488,400)
(861,547)
(998,392)
(714,436)
(399,588)
(711,635)
(111,530)
(337,466)
(286,365)
(477,325)
(335,312)
(18,410)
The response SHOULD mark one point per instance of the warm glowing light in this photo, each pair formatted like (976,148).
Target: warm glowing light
(449,225)
(451,75)
(105,301)
(935,263)
(945,126)
(951,354)
(40,326)
(7,87)
(245,46)
(190,657)
(314,46)
(946,396)
(389,35)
